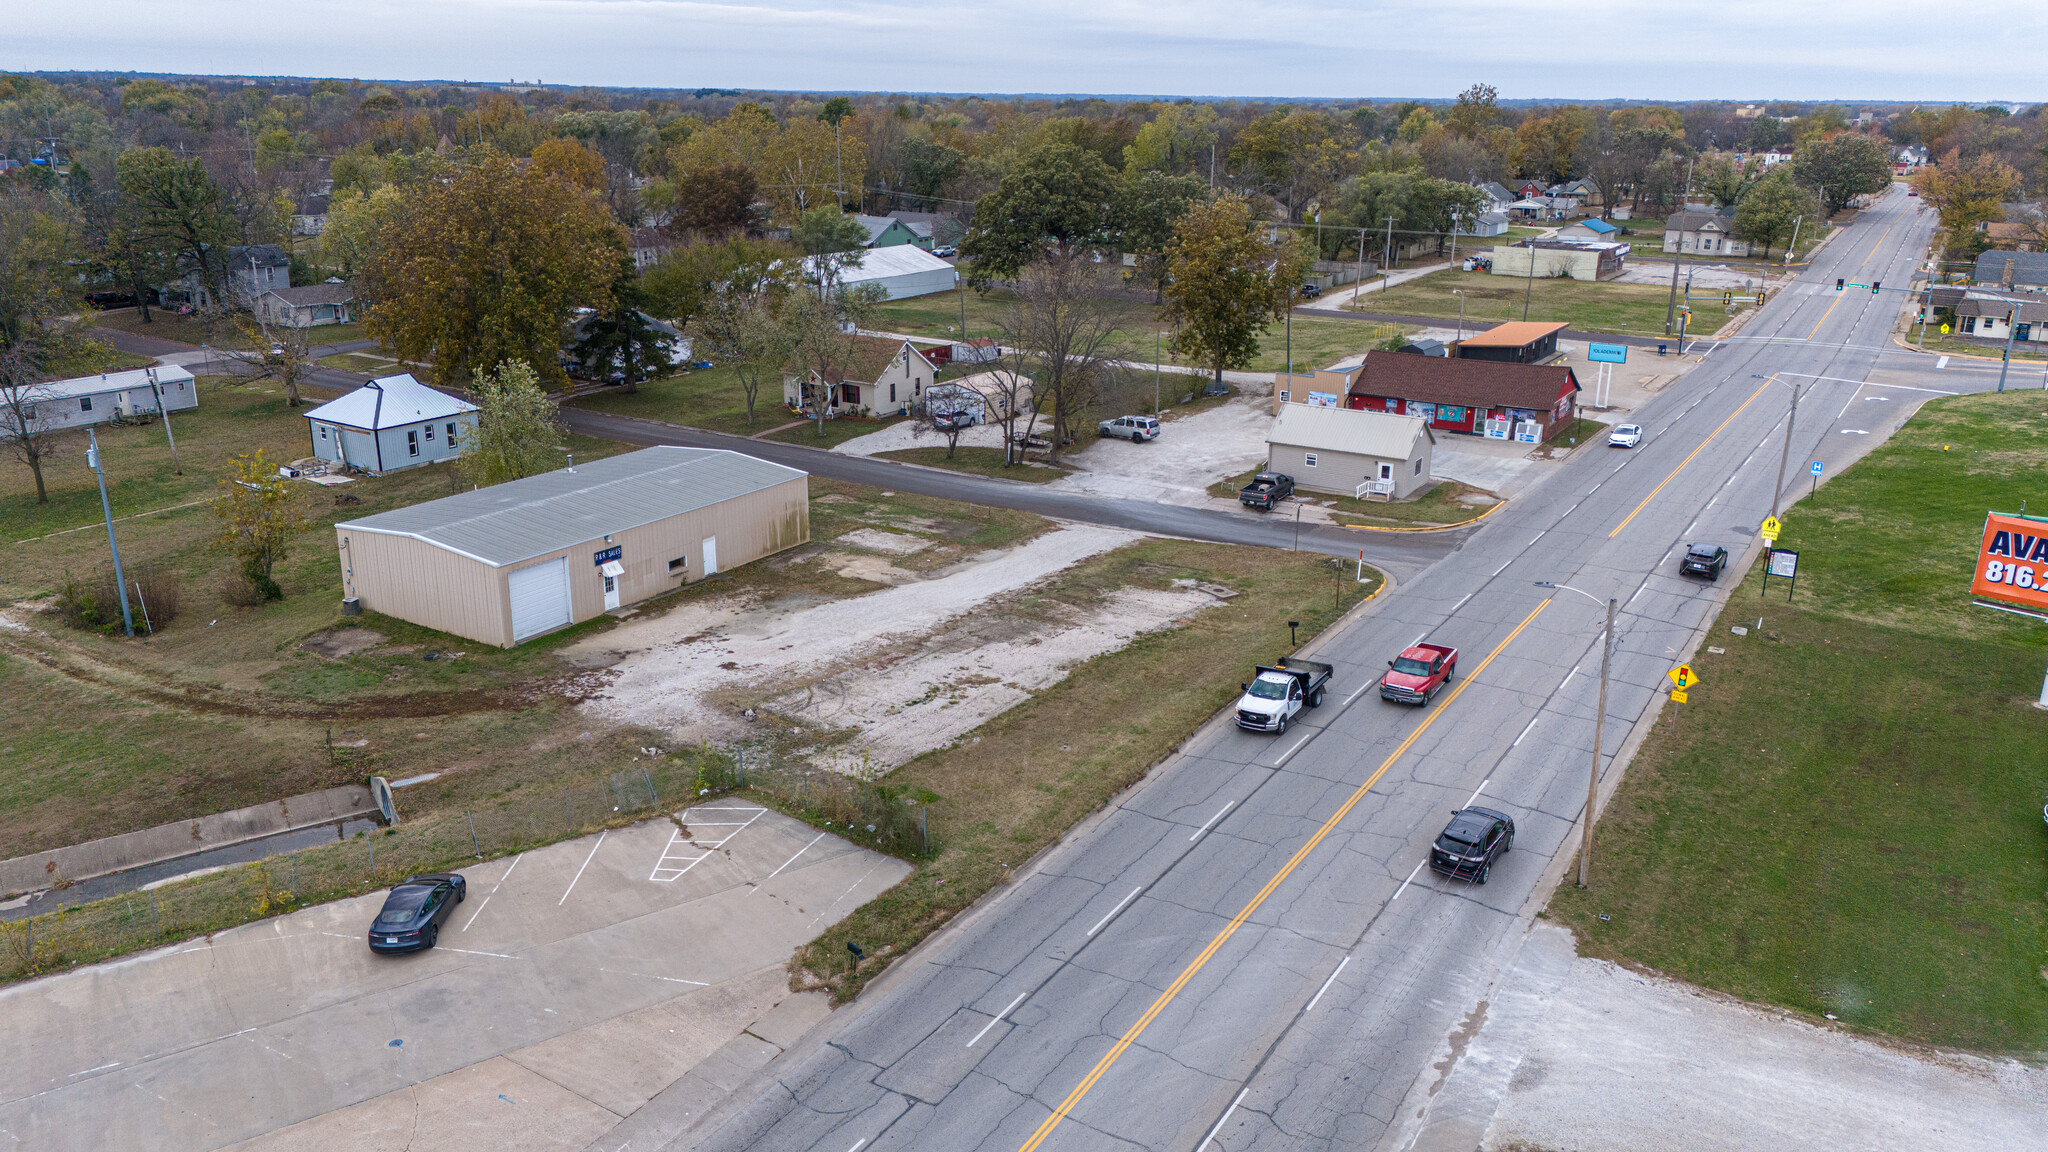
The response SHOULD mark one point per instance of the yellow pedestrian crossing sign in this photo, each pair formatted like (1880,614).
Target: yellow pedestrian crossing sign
(1770,529)
(1683,677)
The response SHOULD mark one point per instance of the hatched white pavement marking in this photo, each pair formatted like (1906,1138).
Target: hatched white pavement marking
(673,864)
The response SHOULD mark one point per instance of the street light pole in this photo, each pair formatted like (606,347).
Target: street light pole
(2011,327)
(1156,336)
(1785,455)
(92,459)
(1599,729)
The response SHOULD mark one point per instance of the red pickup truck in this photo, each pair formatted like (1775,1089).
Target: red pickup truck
(1415,675)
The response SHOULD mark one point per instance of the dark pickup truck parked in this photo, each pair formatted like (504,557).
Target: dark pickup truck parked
(1266,491)
(1415,675)
(1280,691)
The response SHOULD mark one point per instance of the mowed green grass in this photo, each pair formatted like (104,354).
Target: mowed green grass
(1846,818)
(1631,309)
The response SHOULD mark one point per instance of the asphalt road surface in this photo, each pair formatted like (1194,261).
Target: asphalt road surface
(1246,953)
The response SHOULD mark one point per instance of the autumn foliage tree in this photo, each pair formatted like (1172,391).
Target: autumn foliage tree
(1226,282)
(1967,194)
(257,520)
(487,267)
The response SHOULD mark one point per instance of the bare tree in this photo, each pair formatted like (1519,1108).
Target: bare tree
(947,424)
(283,353)
(1063,328)
(30,439)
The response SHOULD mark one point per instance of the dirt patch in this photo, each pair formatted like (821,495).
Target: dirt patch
(337,643)
(876,540)
(952,640)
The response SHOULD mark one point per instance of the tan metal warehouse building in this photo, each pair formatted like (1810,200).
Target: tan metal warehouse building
(509,562)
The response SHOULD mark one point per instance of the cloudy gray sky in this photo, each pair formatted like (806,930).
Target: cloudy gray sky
(1591,49)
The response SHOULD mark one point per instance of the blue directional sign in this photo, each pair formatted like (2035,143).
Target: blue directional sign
(1816,467)
(1607,353)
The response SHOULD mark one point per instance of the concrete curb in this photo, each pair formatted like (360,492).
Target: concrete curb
(184,838)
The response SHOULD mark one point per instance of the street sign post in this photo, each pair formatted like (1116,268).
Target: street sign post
(1683,676)
(1770,528)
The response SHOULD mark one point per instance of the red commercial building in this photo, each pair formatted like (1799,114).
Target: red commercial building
(1525,402)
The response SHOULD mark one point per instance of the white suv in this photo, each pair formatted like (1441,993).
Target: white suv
(1136,429)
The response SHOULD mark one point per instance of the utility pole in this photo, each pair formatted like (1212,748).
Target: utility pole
(92,461)
(1794,245)
(1387,252)
(1157,335)
(1671,303)
(1926,312)
(1529,285)
(1358,285)
(157,391)
(2010,328)
(1786,454)
(1599,728)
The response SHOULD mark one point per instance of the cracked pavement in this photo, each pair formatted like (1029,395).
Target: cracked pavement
(1330,1017)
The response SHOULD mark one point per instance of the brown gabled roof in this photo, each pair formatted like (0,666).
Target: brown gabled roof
(1472,383)
(870,356)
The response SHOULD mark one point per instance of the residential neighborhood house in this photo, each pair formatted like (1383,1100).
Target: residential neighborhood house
(309,215)
(1706,233)
(506,563)
(2020,271)
(389,424)
(84,400)
(886,378)
(1351,452)
(887,232)
(246,272)
(1523,402)
(1592,229)
(307,307)
(649,245)
(984,397)
(1996,318)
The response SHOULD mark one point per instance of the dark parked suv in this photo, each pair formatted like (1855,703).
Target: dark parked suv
(1704,560)
(415,910)
(1471,842)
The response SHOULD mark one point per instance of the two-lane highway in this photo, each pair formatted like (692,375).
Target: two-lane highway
(1247,952)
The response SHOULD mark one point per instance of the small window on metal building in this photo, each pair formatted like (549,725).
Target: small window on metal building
(451,434)
(1308,460)
(678,564)
(412,442)
(430,432)
(1418,467)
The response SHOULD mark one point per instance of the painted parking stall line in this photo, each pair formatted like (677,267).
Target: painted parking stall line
(678,855)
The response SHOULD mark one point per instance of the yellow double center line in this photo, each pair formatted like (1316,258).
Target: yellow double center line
(1682,463)
(1859,268)
(1131,1035)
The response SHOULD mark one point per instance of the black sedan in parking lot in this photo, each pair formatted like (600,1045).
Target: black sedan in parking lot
(414,911)
(1471,842)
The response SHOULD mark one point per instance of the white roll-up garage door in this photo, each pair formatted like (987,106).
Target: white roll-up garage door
(540,598)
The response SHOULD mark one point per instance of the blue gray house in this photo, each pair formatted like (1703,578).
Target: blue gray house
(391,423)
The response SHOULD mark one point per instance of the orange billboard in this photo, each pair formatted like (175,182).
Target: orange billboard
(2012,561)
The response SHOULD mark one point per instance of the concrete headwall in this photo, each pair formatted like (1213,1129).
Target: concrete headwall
(170,841)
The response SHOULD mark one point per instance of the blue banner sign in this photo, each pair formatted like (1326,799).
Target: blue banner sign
(1607,353)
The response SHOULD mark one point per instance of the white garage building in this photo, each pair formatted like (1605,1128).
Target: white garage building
(512,561)
(902,270)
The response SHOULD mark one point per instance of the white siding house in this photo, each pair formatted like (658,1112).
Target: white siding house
(389,424)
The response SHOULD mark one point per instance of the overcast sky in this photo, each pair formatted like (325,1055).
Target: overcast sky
(1592,49)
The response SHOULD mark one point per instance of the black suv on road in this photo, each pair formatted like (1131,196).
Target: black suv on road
(1704,560)
(1471,842)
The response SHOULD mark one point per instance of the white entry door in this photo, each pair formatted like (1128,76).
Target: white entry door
(540,598)
(711,555)
(613,572)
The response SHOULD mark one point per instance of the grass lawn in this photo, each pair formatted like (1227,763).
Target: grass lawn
(709,398)
(1846,818)
(1019,782)
(1317,343)
(219,333)
(837,432)
(1636,309)
(223,709)
(980,461)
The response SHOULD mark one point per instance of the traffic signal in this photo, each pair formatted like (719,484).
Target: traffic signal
(1875,285)
(1838,283)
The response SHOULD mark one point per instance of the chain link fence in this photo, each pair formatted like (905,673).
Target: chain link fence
(519,818)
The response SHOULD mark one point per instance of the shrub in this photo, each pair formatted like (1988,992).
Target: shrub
(237,588)
(94,604)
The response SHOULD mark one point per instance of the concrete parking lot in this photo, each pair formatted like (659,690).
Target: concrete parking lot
(577,984)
